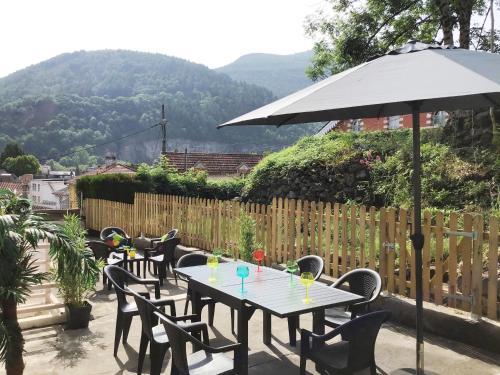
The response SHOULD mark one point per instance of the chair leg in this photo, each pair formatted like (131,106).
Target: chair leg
(142,353)
(232,321)
(173,369)
(211,313)
(118,332)
(186,306)
(302,365)
(157,355)
(127,321)
(293,322)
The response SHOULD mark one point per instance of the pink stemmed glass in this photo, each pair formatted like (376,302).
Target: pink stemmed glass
(258,256)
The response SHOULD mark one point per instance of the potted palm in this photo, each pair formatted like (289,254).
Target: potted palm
(20,232)
(75,272)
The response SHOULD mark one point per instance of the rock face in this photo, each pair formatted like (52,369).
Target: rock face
(346,181)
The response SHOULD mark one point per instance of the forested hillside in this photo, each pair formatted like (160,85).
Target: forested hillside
(282,74)
(87,98)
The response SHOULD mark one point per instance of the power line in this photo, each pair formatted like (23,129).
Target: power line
(105,143)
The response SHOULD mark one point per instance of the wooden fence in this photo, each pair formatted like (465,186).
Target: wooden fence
(460,255)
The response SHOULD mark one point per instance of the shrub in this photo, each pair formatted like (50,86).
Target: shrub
(246,241)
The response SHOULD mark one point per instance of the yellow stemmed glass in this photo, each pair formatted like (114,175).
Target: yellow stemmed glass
(307,279)
(212,263)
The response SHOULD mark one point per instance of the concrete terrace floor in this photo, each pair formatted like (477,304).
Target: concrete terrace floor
(52,350)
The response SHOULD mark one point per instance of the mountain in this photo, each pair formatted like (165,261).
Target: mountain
(88,98)
(282,74)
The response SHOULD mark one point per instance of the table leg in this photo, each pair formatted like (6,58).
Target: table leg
(318,325)
(267,328)
(196,309)
(138,265)
(243,315)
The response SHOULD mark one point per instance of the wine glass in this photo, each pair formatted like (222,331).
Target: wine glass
(242,271)
(212,263)
(258,256)
(307,279)
(291,267)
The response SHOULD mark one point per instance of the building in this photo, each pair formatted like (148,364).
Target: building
(214,164)
(49,193)
(427,120)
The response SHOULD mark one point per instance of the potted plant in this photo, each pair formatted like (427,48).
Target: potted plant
(76,272)
(20,232)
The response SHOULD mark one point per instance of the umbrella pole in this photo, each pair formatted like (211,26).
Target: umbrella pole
(417,238)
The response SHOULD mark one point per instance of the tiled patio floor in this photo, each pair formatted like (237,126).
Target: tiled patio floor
(52,350)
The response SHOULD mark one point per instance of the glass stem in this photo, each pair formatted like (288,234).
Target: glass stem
(307,293)
(242,284)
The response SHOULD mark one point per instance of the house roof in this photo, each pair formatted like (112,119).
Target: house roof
(13,186)
(214,164)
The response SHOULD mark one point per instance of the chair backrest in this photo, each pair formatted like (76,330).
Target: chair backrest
(118,277)
(362,281)
(99,249)
(172,233)
(178,339)
(147,313)
(361,333)
(167,248)
(311,263)
(108,230)
(191,260)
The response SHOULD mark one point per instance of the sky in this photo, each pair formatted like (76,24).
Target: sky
(210,32)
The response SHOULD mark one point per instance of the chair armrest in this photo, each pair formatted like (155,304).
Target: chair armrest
(198,327)
(154,282)
(224,349)
(184,318)
(305,334)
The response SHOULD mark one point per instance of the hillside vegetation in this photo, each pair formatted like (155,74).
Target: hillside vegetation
(281,74)
(86,98)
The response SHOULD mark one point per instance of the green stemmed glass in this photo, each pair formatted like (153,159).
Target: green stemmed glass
(243,272)
(212,263)
(292,267)
(307,279)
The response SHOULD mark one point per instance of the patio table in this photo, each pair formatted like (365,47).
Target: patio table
(269,290)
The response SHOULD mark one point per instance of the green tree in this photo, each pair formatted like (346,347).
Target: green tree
(351,32)
(20,233)
(11,150)
(20,165)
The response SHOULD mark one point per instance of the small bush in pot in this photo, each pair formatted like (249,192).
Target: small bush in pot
(75,272)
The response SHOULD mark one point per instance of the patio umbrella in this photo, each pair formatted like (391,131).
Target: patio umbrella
(412,79)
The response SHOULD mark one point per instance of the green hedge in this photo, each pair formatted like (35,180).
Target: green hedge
(157,179)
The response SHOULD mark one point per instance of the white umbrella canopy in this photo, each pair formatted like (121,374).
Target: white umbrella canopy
(440,78)
(414,78)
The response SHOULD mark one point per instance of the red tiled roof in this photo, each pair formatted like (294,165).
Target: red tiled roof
(214,164)
(13,186)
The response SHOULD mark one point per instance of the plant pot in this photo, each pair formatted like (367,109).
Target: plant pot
(78,316)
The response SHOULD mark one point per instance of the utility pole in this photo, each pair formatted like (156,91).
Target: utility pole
(163,124)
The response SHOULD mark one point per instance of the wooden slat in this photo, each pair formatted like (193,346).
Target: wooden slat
(321,213)
(298,231)
(305,235)
(493,268)
(391,249)
(335,259)
(466,261)
(438,262)
(372,256)
(352,242)
(312,230)
(401,239)
(362,236)
(477,267)
(290,254)
(344,239)
(426,256)
(452,260)
(383,252)
(328,234)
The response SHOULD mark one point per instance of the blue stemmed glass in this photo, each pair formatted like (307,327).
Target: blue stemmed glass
(243,272)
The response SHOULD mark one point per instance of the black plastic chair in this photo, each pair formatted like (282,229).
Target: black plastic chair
(163,258)
(192,260)
(120,277)
(364,282)
(170,234)
(108,230)
(154,334)
(207,360)
(356,351)
(308,263)
(102,252)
